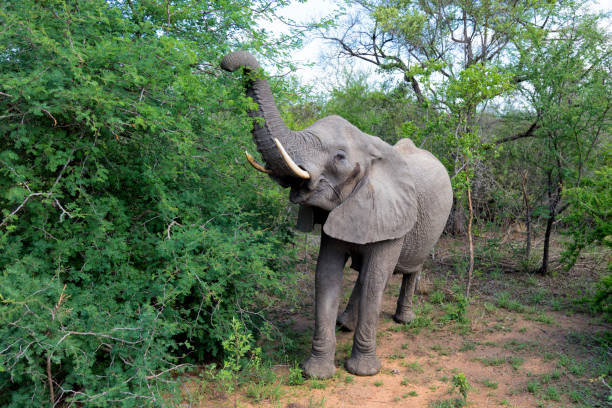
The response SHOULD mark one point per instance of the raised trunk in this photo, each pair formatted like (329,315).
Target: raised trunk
(272,125)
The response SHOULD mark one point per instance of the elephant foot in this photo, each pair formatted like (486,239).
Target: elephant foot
(404,317)
(346,322)
(360,364)
(319,368)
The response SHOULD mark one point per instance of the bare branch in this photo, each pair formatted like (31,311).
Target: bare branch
(106,336)
(170,227)
(19,207)
(528,133)
(150,377)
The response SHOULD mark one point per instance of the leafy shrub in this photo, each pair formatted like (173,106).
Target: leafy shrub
(295,376)
(462,385)
(589,221)
(129,235)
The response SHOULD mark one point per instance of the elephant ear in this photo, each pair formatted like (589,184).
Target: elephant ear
(382,206)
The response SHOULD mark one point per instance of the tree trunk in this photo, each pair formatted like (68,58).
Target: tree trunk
(471,242)
(553,200)
(455,225)
(545,254)
(527,216)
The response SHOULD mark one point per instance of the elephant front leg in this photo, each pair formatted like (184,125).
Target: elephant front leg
(404,312)
(379,261)
(328,285)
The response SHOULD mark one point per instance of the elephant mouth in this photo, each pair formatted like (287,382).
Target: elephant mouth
(300,194)
(322,194)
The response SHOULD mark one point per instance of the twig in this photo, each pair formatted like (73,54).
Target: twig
(49,113)
(106,336)
(170,226)
(150,377)
(605,383)
(63,210)
(203,226)
(19,207)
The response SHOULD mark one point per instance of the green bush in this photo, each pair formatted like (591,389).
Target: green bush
(129,233)
(589,221)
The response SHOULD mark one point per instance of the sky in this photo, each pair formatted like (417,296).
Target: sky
(321,76)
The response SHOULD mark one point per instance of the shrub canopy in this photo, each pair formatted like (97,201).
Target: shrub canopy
(130,231)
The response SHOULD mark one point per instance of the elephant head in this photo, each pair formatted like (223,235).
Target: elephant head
(360,182)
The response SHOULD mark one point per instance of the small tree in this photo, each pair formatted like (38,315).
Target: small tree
(570,87)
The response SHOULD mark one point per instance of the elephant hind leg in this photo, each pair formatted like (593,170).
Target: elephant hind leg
(347,320)
(404,312)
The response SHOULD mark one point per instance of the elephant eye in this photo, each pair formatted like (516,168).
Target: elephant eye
(340,156)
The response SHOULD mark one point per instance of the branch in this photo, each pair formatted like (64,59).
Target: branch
(528,133)
(19,207)
(50,379)
(106,336)
(170,227)
(64,212)
(150,377)
(51,116)
(416,88)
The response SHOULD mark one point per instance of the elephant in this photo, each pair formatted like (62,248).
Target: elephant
(382,206)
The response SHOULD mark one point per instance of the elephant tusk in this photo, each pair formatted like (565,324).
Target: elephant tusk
(256,165)
(294,167)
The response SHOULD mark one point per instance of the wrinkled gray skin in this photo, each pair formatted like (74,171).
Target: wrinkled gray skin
(383,206)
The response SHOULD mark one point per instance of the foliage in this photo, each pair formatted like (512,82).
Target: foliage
(569,91)
(590,218)
(461,384)
(457,311)
(295,376)
(485,74)
(590,221)
(130,235)
(239,355)
(379,110)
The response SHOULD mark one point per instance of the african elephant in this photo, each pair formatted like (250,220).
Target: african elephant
(383,206)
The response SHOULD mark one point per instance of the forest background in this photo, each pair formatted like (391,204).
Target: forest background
(133,237)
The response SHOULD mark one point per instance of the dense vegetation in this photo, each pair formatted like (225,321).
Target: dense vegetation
(132,236)
(129,233)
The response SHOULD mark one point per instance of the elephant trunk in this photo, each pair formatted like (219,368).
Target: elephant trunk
(272,127)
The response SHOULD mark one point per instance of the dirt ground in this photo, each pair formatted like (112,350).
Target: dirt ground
(522,342)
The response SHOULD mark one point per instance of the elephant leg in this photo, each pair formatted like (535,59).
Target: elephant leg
(404,312)
(348,319)
(328,285)
(380,259)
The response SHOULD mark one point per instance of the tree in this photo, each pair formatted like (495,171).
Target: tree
(129,234)
(569,89)
(589,221)
(453,56)
(458,56)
